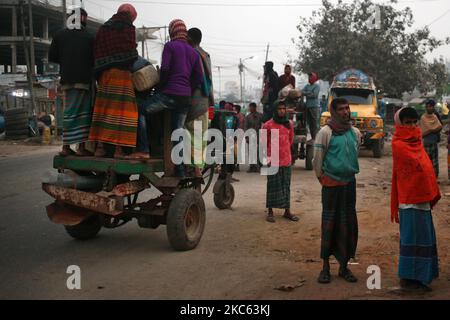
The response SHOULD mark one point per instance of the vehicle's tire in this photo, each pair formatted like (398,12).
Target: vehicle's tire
(14,112)
(222,199)
(16,124)
(378,148)
(87,229)
(19,123)
(186,220)
(309,157)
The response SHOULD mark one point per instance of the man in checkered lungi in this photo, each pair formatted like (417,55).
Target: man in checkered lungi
(336,164)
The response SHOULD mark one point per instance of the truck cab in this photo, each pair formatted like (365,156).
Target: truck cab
(359,90)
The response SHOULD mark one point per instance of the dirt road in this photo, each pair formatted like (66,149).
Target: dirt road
(241,256)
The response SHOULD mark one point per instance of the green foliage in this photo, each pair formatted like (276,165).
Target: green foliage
(337,36)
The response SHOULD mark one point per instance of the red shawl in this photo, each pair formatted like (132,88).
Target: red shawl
(413,178)
(115,42)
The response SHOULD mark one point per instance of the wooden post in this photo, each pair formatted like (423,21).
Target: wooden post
(169,167)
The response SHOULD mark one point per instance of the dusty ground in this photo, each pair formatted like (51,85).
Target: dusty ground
(241,256)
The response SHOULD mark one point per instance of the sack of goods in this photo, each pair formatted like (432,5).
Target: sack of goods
(144,75)
(295,93)
(284,93)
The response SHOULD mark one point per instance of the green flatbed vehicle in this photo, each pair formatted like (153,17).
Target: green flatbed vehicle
(92,193)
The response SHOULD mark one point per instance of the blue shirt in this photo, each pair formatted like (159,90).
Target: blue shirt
(311,92)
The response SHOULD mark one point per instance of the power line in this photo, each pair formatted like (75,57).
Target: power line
(223,4)
(438,18)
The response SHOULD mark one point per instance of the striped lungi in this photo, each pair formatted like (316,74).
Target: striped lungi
(115,117)
(339,222)
(279,189)
(77,116)
(198,144)
(418,250)
(433,152)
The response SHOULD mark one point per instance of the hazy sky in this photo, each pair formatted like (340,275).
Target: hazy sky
(242,28)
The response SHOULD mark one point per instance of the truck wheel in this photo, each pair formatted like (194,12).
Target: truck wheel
(309,157)
(186,220)
(222,199)
(87,229)
(378,148)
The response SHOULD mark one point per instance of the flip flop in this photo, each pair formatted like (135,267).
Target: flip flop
(347,275)
(71,153)
(85,153)
(324,277)
(291,217)
(270,219)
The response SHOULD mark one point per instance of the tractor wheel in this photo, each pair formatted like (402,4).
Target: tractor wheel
(186,220)
(222,198)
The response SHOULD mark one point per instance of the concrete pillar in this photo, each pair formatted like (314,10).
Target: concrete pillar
(45,28)
(14,58)
(14,22)
(14,46)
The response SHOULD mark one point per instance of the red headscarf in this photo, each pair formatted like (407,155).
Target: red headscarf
(126,7)
(413,177)
(178,30)
(313,78)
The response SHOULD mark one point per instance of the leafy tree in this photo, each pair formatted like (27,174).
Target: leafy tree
(339,36)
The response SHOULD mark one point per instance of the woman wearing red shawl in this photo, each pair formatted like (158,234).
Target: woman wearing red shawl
(414,193)
(115,114)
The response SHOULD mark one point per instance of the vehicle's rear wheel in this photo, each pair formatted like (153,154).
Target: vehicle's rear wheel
(87,229)
(186,220)
(223,198)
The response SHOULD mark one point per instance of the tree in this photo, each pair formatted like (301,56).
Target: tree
(339,36)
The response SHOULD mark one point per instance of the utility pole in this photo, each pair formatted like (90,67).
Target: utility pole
(143,43)
(267,58)
(31,34)
(267,52)
(27,59)
(220,82)
(241,70)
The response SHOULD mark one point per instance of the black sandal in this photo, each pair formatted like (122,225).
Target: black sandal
(347,275)
(291,217)
(324,277)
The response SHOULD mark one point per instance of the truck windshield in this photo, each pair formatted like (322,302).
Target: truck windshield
(353,96)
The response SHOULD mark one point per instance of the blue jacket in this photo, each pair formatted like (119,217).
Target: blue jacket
(311,92)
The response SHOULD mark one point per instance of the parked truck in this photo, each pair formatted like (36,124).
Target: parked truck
(360,91)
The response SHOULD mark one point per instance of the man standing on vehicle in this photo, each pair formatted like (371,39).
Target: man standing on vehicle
(270,91)
(336,164)
(311,92)
(253,121)
(202,99)
(287,78)
(323,104)
(431,131)
(73,50)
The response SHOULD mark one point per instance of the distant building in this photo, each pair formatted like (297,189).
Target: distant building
(47,20)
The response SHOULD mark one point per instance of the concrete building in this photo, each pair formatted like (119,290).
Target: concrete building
(46,19)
